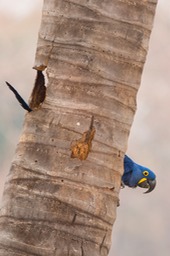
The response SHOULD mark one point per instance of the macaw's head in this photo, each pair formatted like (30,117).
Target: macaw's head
(147,179)
(137,175)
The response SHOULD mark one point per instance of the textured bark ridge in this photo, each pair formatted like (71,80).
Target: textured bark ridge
(93,52)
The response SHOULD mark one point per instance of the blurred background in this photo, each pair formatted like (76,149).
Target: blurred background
(143,221)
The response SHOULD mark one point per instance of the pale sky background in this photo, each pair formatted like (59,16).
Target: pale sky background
(19,9)
(143,222)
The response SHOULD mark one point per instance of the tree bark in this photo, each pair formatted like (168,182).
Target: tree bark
(93,53)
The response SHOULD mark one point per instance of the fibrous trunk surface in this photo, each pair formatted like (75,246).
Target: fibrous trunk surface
(93,53)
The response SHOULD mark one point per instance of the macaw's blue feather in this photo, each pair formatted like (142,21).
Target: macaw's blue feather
(136,175)
(19,98)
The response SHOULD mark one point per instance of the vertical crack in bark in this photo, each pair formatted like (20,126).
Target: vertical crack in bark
(82,250)
(102,246)
(74,218)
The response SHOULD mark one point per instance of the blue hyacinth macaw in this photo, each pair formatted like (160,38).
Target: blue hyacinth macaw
(137,175)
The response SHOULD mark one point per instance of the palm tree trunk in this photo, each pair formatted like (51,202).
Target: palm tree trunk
(93,53)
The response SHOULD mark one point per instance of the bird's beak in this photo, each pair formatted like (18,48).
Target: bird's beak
(146,183)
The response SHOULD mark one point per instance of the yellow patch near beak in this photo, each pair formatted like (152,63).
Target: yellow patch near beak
(142,180)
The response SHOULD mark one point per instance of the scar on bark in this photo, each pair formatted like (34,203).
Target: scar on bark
(39,91)
(80,148)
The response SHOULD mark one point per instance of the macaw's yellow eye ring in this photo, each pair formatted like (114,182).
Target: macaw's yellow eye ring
(145,173)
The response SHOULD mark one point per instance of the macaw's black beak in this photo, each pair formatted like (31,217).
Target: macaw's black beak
(146,183)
